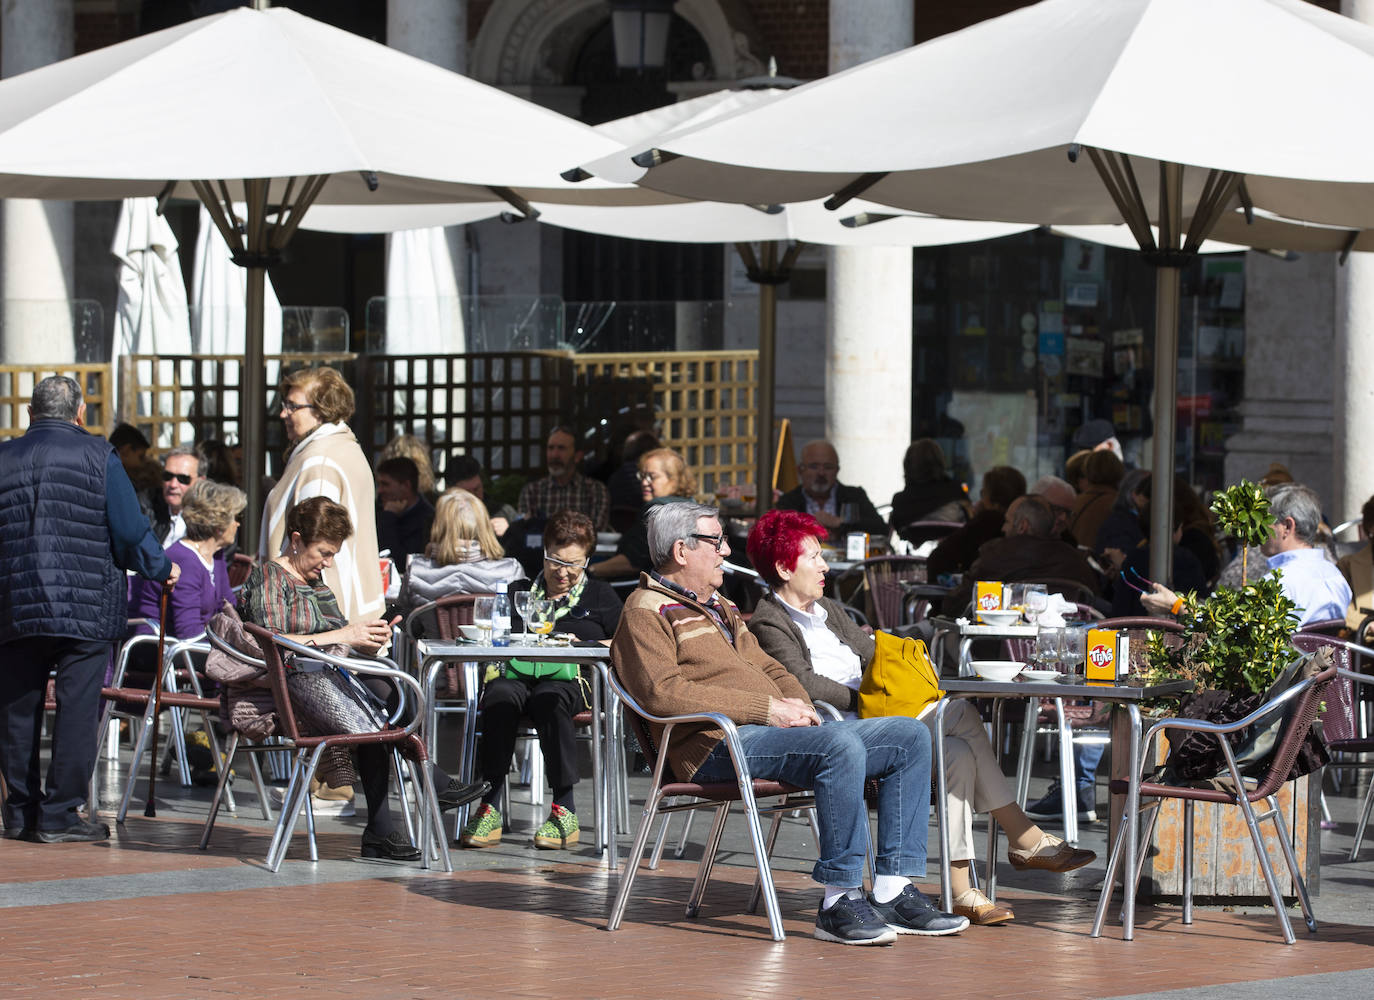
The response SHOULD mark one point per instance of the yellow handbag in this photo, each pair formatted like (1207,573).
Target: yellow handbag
(900,679)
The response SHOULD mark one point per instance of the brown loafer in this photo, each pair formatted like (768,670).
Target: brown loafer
(1051,855)
(981,910)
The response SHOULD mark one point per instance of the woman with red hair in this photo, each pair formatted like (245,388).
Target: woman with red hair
(815,639)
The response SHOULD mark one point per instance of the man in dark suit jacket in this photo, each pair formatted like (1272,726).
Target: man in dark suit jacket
(840,508)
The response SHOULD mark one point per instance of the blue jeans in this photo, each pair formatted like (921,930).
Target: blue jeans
(835,760)
(1086,757)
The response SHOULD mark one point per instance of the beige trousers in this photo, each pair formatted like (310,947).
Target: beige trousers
(974,782)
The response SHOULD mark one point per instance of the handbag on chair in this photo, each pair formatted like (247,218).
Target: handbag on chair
(899,680)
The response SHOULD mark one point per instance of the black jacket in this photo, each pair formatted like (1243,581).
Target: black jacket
(866,516)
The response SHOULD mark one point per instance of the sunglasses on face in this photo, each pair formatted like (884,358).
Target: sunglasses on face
(180,477)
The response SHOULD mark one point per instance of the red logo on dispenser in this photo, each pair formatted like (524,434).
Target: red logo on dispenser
(988,602)
(1101,655)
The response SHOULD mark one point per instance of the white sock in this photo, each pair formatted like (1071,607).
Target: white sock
(833,894)
(886,888)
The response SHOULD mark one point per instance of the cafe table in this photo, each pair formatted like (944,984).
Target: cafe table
(969,631)
(471,657)
(1125,699)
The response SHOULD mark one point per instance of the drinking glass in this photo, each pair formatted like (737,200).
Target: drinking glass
(1016,597)
(1049,646)
(1037,600)
(541,619)
(1074,649)
(481,617)
(522,608)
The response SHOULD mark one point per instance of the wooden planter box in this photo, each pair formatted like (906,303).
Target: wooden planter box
(1225,868)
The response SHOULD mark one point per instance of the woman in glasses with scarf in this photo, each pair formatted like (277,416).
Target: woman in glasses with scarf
(585,608)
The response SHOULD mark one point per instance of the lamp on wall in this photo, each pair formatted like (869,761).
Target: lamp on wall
(640,28)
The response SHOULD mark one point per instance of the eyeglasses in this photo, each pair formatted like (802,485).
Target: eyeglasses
(552,561)
(291,407)
(180,477)
(821,467)
(717,540)
(648,477)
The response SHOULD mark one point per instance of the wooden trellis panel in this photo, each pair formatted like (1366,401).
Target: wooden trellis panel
(16,392)
(497,407)
(176,398)
(705,404)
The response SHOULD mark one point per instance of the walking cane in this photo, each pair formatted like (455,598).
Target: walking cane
(151,808)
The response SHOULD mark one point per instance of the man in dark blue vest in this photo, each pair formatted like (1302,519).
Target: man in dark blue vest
(70,526)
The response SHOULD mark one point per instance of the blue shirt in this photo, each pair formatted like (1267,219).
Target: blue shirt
(131,540)
(1315,585)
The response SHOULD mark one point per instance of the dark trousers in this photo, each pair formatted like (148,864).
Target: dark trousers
(550,705)
(80,666)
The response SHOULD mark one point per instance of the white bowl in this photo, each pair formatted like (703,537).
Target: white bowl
(470,632)
(999,617)
(997,670)
(1041,676)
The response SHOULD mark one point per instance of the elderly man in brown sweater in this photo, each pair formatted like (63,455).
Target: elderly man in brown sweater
(682,648)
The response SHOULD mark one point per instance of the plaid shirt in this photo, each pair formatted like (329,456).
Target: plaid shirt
(544,498)
(273,598)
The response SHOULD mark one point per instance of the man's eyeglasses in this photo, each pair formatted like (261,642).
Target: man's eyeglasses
(291,407)
(716,540)
(552,561)
(180,477)
(821,467)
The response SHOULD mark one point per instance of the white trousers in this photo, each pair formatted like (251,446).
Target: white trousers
(974,782)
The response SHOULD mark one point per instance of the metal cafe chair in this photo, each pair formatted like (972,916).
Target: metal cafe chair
(667,794)
(1301,705)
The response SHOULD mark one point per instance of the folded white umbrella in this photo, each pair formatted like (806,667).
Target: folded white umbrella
(1071,112)
(150,306)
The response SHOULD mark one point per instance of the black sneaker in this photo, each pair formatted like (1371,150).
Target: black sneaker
(1051,805)
(913,912)
(19,833)
(80,831)
(852,921)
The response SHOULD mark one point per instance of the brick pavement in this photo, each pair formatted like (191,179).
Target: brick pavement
(534,928)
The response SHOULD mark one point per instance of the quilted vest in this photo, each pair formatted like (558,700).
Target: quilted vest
(57,571)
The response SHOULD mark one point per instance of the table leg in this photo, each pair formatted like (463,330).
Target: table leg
(966,657)
(1132,820)
(1068,781)
(1027,755)
(941,812)
(598,777)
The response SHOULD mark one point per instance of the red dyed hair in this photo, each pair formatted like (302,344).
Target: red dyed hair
(777,539)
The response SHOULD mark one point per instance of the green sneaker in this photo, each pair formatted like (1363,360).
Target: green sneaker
(483,830)
(559,830)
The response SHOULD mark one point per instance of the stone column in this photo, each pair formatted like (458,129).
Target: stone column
(869,298)
(436,31)
(36,254)
(1289,371)
(1353,395)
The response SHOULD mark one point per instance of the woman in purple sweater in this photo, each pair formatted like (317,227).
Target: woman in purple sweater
(211,511)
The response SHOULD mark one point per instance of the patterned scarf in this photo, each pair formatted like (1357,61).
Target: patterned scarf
(561,605)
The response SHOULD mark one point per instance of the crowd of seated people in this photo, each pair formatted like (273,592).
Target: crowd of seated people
(331,511)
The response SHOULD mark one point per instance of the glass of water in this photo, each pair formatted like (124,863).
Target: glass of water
(482,609)
(1074,649)
(1049,648)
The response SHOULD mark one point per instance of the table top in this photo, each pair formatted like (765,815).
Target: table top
(1000,631)
(1036,689)
(459,649)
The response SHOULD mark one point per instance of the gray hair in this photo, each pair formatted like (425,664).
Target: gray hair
(670,523)
(1045,483)
(208,507)
(57,397)
(187,451)
(1301,504)
(1035,511)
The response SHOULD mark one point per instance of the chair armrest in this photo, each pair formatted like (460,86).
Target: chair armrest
(1200,726)
(377,666)
(222,644)
(122,663)
(828,710)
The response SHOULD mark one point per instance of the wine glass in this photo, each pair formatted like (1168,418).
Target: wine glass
(482,609)
(521,601)
(1016,597)
(1037,600)
(542,619)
